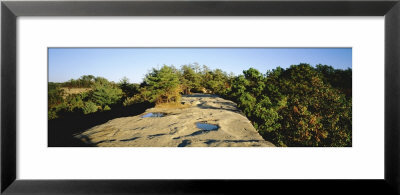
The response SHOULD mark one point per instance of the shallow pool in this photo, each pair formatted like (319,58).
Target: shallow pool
(154,114)
(206,126)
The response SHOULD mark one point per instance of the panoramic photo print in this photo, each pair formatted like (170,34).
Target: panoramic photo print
(199,97)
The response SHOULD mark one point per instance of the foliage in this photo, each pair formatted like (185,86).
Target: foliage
(339,79)
(162,85)
(190,79)
(84,81)
(55,94)
(128,89)
(106,108)
(89,107)
(105,94)
(56,110)
(294,107)
(216,81)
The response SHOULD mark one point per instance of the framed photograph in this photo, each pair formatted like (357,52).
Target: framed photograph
(195,105)
(223,97)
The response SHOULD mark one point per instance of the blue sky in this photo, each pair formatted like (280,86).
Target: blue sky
(134,63)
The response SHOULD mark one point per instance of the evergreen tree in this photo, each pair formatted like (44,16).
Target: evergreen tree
(163,84)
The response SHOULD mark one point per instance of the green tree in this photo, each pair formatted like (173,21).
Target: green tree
(90,107)
(315,114)
(55,94)
(217,81)
(296,106)
(163,84)
(190,79)
(129,89)
(101,81)
(105,94)
(339,79)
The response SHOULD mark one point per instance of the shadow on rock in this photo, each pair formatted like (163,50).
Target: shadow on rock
(61,131)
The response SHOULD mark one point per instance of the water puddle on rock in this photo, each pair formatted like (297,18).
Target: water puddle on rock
(206,126)
(154,114)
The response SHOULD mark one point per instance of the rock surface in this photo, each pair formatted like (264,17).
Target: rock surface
(178,127)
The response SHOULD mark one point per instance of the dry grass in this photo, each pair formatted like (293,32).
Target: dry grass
(172,105)
(69,91)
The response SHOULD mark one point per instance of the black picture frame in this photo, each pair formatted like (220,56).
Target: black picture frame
(11,10)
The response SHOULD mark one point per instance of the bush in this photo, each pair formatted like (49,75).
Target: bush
(75,101)
(57,111)
(106,108)
(107,94)
(89,107)
(55,94)
(101,97)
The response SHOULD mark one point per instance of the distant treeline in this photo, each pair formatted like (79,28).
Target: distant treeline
(298,106)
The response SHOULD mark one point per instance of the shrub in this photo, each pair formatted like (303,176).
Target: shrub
(106,108)
(75,101)
(55,94)
(57,111)
(89,107)
(107,94)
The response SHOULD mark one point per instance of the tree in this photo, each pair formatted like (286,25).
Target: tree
(315,114)
(101,81)
(296,106)
(89,107)
(256,81)
(55,94)
(129,89)
(339,79)
(105,94)
(163,84)
(189,78)
(87,80)
(84,81)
